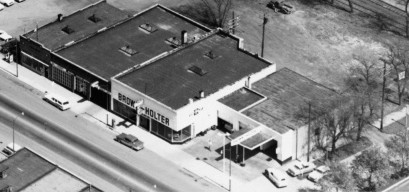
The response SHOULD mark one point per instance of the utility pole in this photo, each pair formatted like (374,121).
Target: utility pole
(383,95)
(265,20)
(309,130)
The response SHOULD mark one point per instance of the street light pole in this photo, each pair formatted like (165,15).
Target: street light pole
(227,134)
(14,122)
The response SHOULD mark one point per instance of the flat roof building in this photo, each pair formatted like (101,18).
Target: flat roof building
(26,171)
(174,77)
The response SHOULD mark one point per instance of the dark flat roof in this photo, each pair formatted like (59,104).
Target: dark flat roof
(172,81)
(286,91)
(100,54)
(241,99)
(25,167)
(52,36)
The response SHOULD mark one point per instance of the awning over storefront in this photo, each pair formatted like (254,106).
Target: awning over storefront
(251,138)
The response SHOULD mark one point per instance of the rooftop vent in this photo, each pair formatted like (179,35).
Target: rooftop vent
(60,17)
(210,54)
(173,41)
(94,18)
(3,173)
(183,37)
(197,70)
(6,189)
(67,29)
(148,28)
(128,50)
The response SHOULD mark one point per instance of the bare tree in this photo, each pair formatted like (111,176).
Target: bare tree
(217,10)
(364,81)
(398,59)
(339,178)
(332,122)
(398,148)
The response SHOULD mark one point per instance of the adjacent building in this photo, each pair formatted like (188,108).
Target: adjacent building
(26,171)
(174,77)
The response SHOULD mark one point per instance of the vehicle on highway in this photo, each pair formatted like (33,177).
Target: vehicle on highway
(8,150)
(130,141)
(281,6)
(7,3)
(1,7)
(4,36)
(301,167)
(318,173)
(57,100)
(277,176)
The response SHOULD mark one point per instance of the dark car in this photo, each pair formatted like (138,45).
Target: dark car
(130,141)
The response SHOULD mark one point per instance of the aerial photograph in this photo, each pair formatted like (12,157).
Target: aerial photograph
(204,95)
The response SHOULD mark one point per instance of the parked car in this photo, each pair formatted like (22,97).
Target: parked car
(4,36)
(1,7)
(130,141)
(301,167)
(10,149)
(281,6)
(318,173)
(277,176)
(7,3)
(57,100)
(19,1)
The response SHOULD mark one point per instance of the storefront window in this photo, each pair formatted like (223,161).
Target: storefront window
(182,135)
(125,111)
(144,122)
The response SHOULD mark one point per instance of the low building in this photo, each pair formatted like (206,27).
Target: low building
(26,171)
(272,105)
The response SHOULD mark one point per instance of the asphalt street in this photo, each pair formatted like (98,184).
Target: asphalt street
(403,187)
(90,146)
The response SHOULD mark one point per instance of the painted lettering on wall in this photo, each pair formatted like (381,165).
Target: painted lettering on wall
(154,115)
(126,100)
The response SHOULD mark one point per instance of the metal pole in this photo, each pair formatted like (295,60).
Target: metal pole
(14,122)
(262,40)
(230,169)
(383,95)
(309,130)
(224,154)
(233,23)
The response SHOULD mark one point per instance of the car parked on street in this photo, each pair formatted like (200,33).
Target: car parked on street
(318,173)
(130,141)
(301,167)
(277,176)
(7,3)
(4,36)
(10,149)
(19,1)
(57,100)
(1,7)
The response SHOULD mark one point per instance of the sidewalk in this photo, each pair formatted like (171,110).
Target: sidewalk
(103,118)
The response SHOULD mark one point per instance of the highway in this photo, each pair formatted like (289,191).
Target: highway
(88,146)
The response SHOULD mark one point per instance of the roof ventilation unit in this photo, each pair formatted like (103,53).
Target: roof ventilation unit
(67,29)
(173,41)
(197,70)
(60,17)
(3,173)
(148,28)
(94,18)
(210,54)
(128,50)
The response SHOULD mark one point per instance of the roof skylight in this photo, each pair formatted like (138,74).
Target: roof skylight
(128,50)
(197,70)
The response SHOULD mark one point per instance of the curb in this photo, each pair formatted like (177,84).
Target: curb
(396,184)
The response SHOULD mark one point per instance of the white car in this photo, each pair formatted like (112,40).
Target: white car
(59,101)
(277,176)
(7,3)
(19,1)
(4,36)
(301,167)
(318,173)
(1,7)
